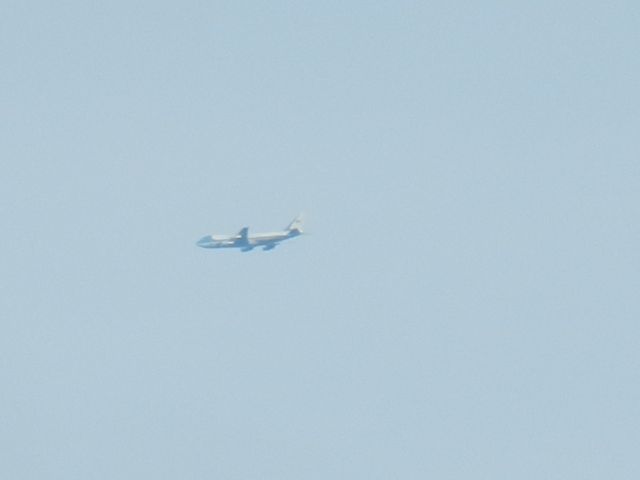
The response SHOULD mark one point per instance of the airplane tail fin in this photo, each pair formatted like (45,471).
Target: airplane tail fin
(295,225)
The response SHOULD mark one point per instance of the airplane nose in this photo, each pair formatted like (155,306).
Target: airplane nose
(204,241)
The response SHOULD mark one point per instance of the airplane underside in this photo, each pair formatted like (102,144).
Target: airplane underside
(267,247)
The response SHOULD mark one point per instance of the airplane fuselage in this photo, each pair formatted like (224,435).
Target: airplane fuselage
(246,242)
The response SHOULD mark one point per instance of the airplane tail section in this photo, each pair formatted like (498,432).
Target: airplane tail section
(295,225)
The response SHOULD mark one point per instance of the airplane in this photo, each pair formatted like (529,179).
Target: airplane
(246,242)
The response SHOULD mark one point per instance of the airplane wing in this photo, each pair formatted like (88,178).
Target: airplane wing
(242,238)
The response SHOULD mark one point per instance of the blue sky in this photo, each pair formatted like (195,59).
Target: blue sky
(465,307)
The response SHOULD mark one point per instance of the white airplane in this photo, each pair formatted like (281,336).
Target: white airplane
(246,242)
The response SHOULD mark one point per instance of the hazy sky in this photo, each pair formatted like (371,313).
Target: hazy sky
(466,305)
